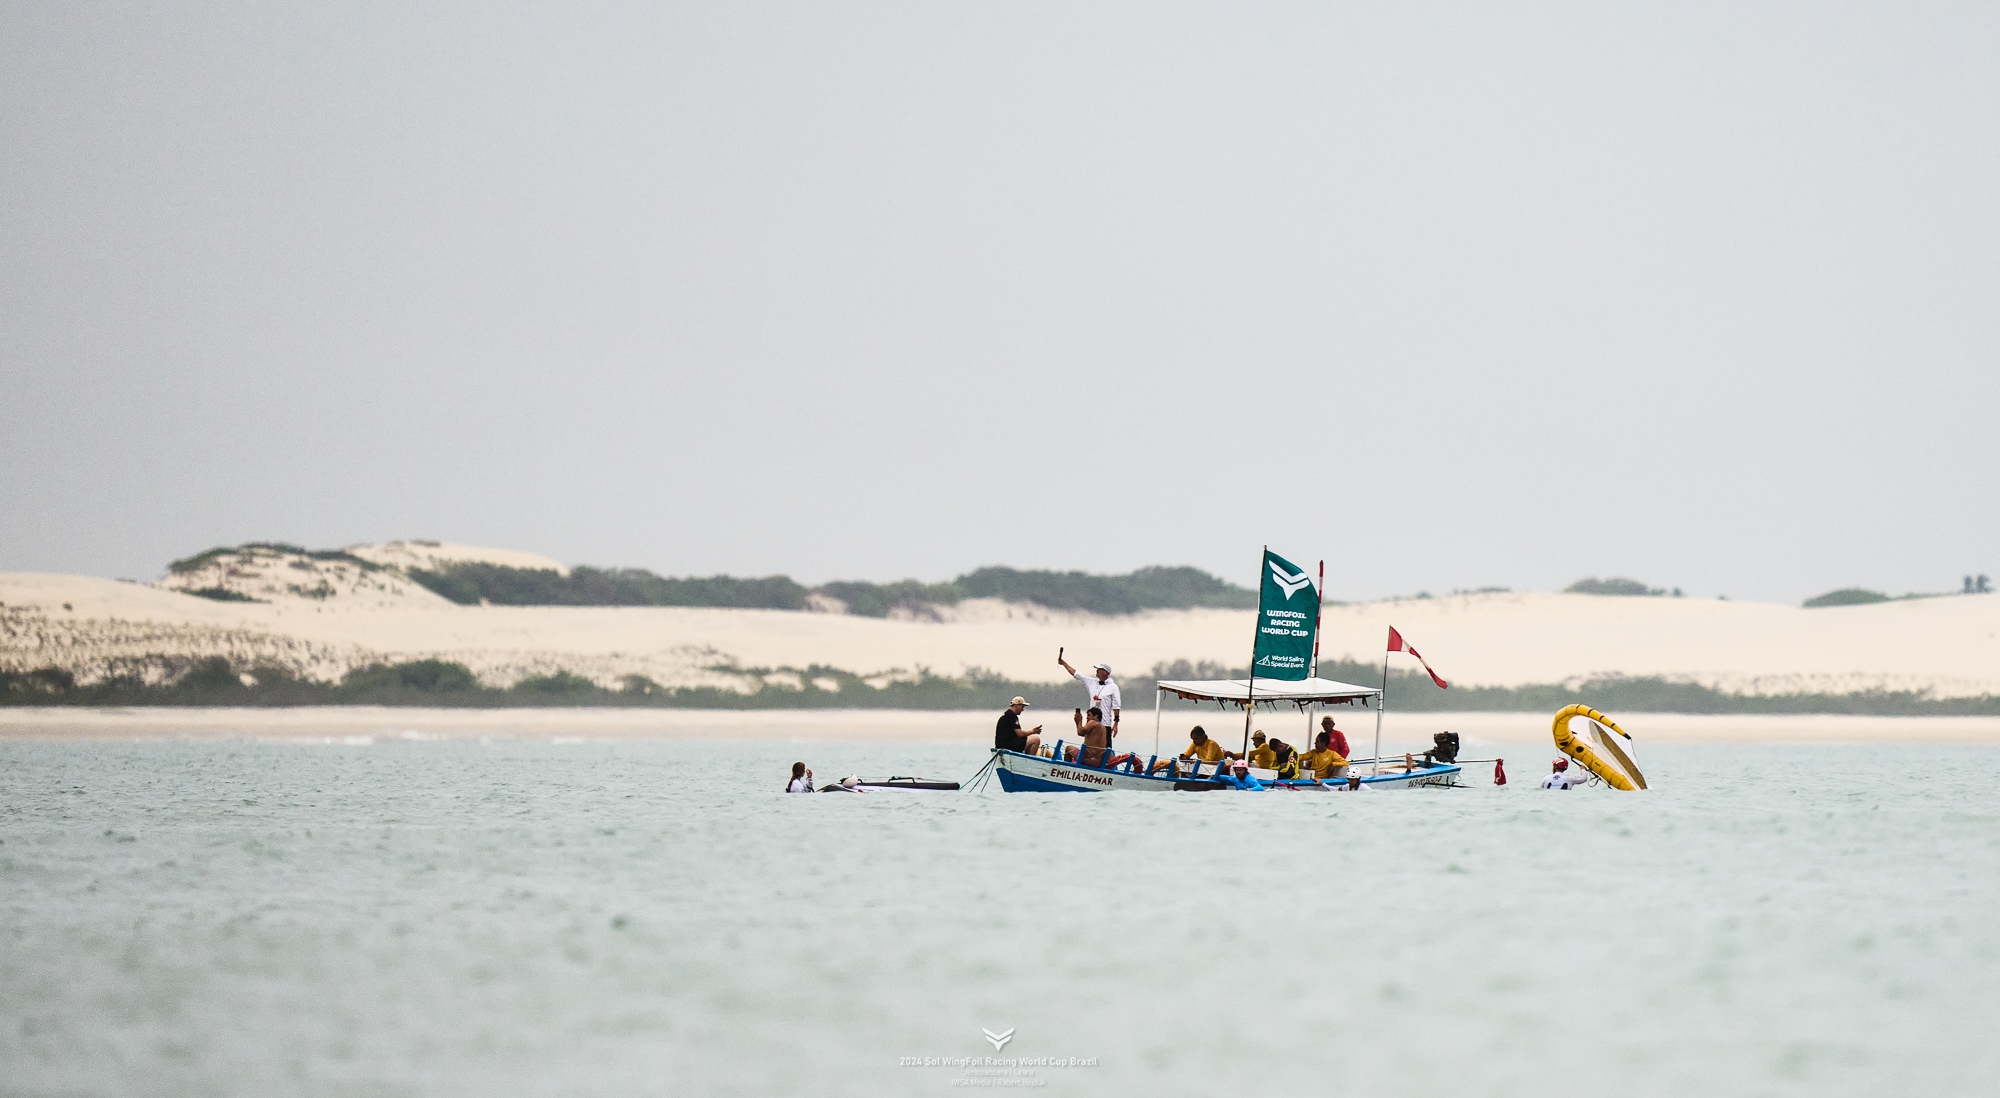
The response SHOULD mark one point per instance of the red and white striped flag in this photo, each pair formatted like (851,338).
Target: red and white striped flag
(1398,644)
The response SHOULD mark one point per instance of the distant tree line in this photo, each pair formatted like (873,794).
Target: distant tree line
(1618,585)
(1156,588)
(190,564)
(215,681)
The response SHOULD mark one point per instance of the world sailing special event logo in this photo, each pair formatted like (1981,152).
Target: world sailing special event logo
(998,1071)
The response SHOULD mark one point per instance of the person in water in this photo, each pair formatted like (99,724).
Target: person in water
(1561,778)
(802,779)
(1323,761)
(1261,756)
(1096,739)
(1008,734)
(1200,749)
(1239,776)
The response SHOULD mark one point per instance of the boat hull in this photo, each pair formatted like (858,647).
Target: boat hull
(1018,772)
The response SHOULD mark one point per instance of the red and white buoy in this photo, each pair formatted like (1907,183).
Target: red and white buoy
(1499,771)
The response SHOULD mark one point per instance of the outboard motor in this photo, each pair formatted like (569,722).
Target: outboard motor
(1444,747)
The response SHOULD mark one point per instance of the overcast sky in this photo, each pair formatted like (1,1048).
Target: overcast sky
(1449,296)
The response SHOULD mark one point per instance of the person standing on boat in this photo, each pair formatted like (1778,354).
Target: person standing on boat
(1007,733)
(1336,737)
(1103,692)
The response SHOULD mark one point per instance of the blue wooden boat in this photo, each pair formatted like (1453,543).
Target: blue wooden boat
(1020,772)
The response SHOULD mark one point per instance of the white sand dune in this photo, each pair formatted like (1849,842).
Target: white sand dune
(323,618)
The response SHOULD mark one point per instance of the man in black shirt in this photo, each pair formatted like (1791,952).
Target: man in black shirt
(1007,734)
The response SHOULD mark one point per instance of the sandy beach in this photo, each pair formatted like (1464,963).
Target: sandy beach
(351,724)
(93,627)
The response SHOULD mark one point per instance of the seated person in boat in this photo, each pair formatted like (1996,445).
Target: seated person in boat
(1008,734)
(1239,776)
(1096,739)
(1199,749)
(1444,750)
(1284,758)
(1323,761)
(1261,756)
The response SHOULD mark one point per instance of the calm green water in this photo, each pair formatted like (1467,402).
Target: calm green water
(631,918)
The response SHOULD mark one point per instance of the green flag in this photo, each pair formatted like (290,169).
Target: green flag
(1287,619)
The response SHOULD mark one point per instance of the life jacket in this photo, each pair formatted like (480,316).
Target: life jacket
(1288,763)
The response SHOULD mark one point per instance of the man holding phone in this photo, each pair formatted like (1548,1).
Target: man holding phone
(1103,691)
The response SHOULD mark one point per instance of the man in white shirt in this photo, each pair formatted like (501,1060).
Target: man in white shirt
(1103,692)
(1560,777)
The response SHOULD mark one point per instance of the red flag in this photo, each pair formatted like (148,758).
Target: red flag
(1398,644)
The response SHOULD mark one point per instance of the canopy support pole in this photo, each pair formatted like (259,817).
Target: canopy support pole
(1250,690)
(1381,703)
(1159,696)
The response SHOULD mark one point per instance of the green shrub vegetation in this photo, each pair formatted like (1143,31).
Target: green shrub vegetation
(189,564)
(436,683)
(1617,585)
(471,583)
(1846,596)
(220,594)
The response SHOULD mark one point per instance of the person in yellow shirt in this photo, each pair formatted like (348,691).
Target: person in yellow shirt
(1261,755)
(1200,749)
(1323,761)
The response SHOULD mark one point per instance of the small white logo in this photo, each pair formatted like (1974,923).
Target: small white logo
(997,1040)
(1290,583)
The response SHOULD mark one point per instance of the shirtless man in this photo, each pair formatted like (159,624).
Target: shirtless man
(1096,738)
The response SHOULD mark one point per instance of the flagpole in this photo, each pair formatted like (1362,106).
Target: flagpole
(1381,703)
(1318,616)
(1250,691)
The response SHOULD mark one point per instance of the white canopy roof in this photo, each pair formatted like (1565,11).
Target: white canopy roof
(1268,690)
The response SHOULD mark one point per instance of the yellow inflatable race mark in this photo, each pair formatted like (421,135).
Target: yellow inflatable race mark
(1597,749)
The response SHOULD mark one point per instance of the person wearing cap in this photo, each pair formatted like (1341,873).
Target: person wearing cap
(1323,761)
(1239,776)
(1261,756)
(1561,778)
(1007,733)
(1103,691)
(1336,737)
